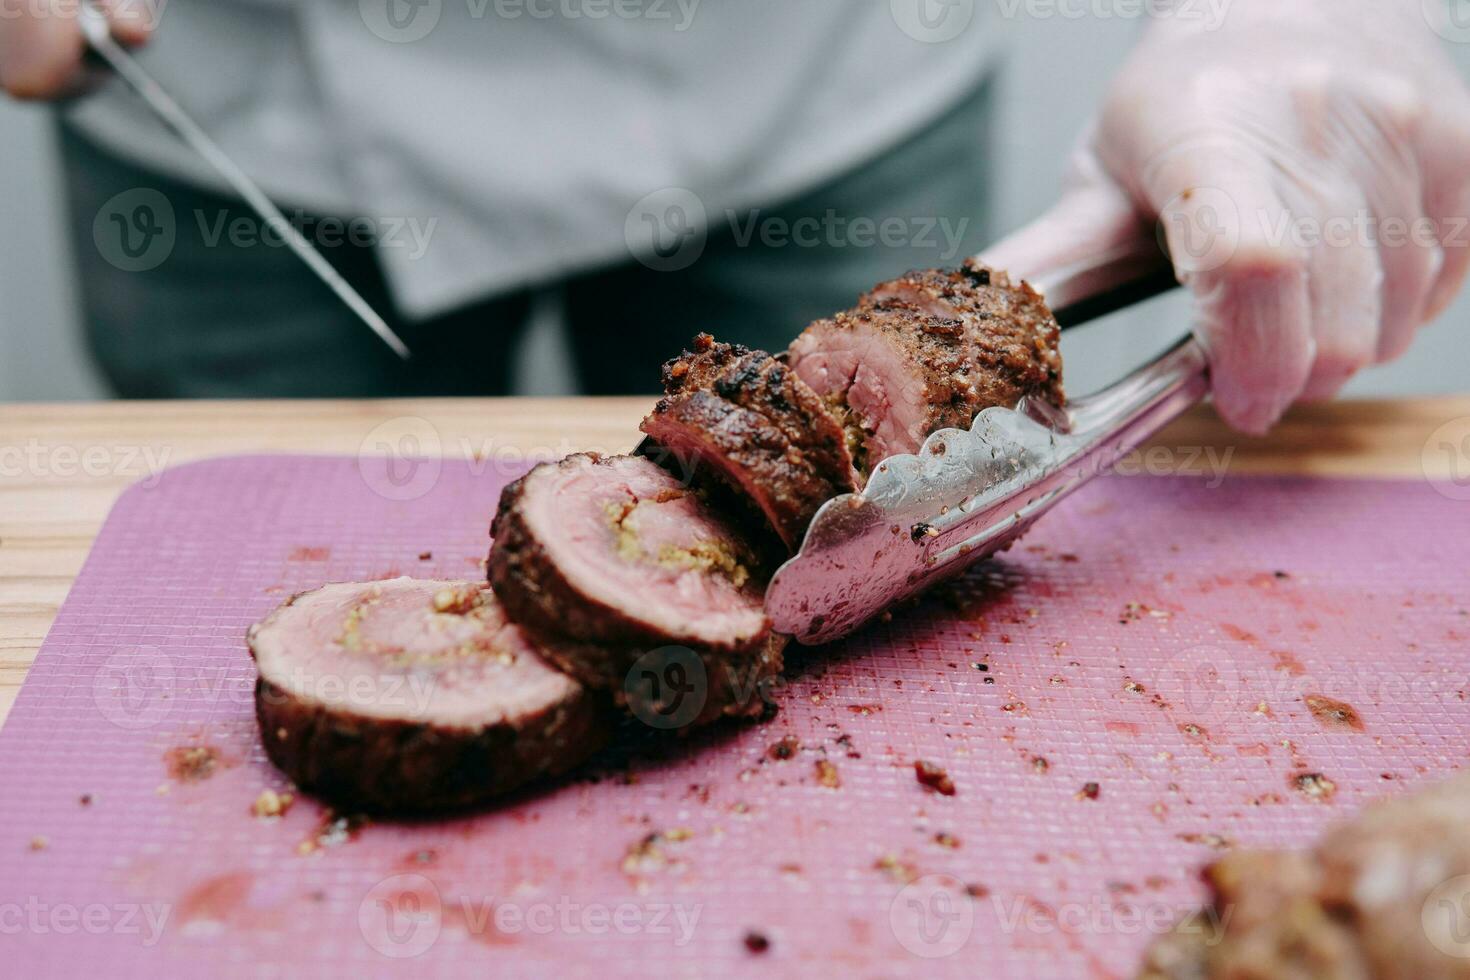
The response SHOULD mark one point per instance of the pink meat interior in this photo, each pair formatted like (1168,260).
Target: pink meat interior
(409,649)
(627,534)
(676,436)
(881,392)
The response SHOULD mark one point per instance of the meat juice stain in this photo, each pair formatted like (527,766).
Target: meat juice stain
(192,763)
(1288,662)
(1236,633)
(304,553)
(216,899)
(1334,714)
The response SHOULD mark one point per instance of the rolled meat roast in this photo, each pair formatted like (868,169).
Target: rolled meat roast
(412,694)
(611,571)
(608,559)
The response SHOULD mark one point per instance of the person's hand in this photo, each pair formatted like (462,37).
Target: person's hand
(1309,163)
(41,42)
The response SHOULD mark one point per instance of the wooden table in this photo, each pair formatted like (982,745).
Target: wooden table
(62,466)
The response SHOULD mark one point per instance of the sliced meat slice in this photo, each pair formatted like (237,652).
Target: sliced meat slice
(410,694)
(606,559)
(617,550)
(985,342)
(1379,896)
(758,427)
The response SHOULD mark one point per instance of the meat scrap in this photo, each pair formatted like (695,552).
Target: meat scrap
(933,778)
(746,418)
(611,561)
(1380,896)
(411,695)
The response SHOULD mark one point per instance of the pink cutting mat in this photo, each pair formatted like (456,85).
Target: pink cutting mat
(1159,642)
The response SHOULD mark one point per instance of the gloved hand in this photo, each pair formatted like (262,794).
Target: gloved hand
(41,42)
(1309,163)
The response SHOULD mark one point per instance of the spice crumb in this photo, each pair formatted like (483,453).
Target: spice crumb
(827,774)
(895,868)
(757,942)
(39,843)
(1313,785)
(271,804)
(784,749)
(1089,791)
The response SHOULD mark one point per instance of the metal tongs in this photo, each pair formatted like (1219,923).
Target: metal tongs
(968,494)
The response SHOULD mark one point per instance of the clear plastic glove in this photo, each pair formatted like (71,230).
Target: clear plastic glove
(41,44)
(1308,162)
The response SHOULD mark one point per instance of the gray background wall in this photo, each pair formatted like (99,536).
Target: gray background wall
(1056,72)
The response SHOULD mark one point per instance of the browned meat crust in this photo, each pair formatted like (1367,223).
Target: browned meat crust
(1014,336)
(758,427)
(725,685)
(401,766)
(936,376)
(948,344)
(1364,903)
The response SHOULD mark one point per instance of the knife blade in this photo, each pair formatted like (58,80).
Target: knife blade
(99,38)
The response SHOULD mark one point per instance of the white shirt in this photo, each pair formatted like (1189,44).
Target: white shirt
(517,136)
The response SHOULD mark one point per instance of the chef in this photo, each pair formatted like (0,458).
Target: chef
(667,166)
